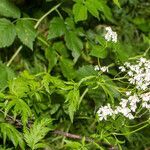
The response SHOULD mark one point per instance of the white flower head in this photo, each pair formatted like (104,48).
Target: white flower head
(96,68)
(110,35)
(104,69)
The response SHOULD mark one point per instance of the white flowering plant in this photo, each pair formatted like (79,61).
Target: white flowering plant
(74,75)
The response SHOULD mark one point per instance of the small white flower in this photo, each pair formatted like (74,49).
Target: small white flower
(123,102)
(122,68)
(110,35)
(104,69)
(96,68)
(130,73)
(128,93)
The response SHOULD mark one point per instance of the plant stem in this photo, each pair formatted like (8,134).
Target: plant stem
(45,15)
(83,94)
(14,55)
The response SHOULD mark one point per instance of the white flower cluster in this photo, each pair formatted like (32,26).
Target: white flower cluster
(139,75)
(103,69)
(110,35)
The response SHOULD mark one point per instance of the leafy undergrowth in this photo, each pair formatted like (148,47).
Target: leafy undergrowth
(74,75)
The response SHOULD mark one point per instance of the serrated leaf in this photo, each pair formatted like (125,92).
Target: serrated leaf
(19,107)
(18,87)
(6,74)
(26,32)
(14,135)
(85,71)
(57,28)
(37,132)
(51,56)
(74,43)
(7,33)
(73,102)
(61,49)
(80,12)
(8,9)
(67,68)
(99,51)
(92,8)
(101,6)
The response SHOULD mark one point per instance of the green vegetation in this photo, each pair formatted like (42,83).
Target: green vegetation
(62,74)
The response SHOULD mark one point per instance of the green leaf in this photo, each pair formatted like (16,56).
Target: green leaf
(57,28)
(14,135)
(20,107)
(26,32)
(37,132)
(7,33)
(74,43)
(73,102)
(99,51)
(18,87)
(8,9)
(92,8)
(51,56)
(85,71)
(80,12)
(117,3)
(101,6)
(6,74)
(61,49)
(73,145)
(67,68)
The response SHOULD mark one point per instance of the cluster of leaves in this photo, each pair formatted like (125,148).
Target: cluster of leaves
(47,79)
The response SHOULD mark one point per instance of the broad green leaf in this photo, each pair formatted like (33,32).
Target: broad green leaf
(67,68)
(57,28)
(99,51)
(26,32)
(61,49)
(80,12)
(51,56)
(84,71)
(101,6)
(70,25)
(73,102)
(7,33)
(92,8)
(8,9)
(74,43)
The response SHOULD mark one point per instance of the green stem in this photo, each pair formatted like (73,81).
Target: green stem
(83,94)
(14,55)
(45,15)
(59,14)
(128,133)
(146,51)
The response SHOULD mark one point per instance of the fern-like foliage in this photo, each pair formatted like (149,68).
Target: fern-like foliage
(73,102)
(10,132)
(19,107)
(37,132)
